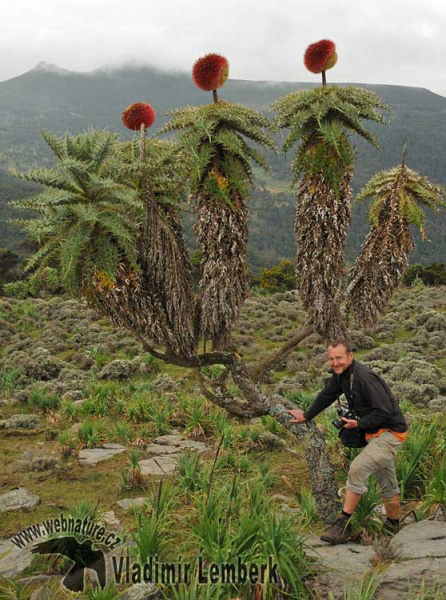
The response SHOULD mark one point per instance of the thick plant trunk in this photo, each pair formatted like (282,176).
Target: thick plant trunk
(222,233)
(322,218)
(321,472)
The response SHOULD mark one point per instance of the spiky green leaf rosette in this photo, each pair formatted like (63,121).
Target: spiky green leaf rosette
(320,120)
(213,137)
(398,195)
(87,218)
(92,223)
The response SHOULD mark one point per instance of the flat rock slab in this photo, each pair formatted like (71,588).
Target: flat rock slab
(408,575)
(17,499)
(420,550)
(162,465)
(180,442)
(160,450)
(12,559)
(127,503)
(91,456)
(345,558)
(426,539)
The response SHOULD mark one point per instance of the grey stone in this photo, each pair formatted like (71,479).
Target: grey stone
(50,588)
(12,559)
(421,540)
(420,555)
(20,422)
(344,559)
(17,499)
(181,442)
(79,402)
(91,456)
(338,565)
(162,465)
(127,503)
(111,521)
(141,591)
(158,449)
(409,575)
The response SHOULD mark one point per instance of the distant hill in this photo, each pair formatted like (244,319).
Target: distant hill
(61,101)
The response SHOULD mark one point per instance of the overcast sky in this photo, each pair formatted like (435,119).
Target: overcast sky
(386,41)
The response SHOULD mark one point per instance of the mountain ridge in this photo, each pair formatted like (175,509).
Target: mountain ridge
(73,101)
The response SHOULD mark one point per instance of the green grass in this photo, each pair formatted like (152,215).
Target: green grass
(245,477)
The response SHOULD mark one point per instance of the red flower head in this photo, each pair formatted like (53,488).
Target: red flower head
(320,56)
(138,114)
(210,72)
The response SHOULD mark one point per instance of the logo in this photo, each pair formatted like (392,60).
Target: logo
(75,539)
(88,545)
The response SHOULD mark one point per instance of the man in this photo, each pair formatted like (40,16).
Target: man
(383,423)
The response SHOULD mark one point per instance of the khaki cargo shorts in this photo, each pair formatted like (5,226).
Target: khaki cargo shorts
(378,458)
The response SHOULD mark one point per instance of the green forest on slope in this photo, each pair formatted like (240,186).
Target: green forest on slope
(62,101)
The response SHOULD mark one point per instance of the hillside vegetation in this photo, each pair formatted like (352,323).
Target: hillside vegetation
(89,384)
(66,101)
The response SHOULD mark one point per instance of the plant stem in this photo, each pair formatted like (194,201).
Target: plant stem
(214,95)
(324,80)
(142,143)
(213,467)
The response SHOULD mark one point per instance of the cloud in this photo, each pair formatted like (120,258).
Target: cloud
(383,42)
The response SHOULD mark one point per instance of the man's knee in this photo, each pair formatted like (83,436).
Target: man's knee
(358,475)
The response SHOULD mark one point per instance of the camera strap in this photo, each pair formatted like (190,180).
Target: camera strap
(351,381)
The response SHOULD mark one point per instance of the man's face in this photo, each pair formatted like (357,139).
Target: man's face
(339,358)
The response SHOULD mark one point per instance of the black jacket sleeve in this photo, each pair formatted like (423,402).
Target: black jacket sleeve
(377,397)
(329,394)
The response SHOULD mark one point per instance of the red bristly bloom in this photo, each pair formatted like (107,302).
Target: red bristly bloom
(320,56)
(138,114)
(210,72)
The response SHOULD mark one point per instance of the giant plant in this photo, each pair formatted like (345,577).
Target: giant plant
(110,214)
(214,137)
(320,121)
(398,196)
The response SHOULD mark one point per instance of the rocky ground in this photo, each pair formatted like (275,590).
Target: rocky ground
(62,365)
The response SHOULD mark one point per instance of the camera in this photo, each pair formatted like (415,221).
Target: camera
(343,412)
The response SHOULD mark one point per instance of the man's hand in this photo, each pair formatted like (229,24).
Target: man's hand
(298,416)
(349,423)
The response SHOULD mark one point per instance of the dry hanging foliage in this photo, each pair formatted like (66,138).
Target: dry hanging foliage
(128,302)
(222,232)
(322,218)
(380,267)
(167,269)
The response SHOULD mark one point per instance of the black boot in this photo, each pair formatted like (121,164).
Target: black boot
(338,533)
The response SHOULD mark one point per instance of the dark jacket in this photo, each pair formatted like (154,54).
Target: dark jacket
(370,397)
